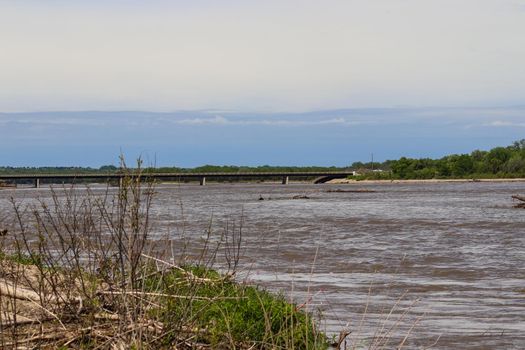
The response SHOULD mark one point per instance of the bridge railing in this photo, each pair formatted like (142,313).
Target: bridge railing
(285,176)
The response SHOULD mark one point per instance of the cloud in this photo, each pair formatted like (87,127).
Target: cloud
(504,123)
(220,120)
(133,120)
(54,122)
(215,120)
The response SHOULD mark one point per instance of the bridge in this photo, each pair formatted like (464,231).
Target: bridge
(38,179)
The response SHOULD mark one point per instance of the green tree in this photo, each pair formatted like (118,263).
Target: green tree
(496,158)
(461,165)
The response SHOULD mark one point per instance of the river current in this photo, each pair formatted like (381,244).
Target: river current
(443,264)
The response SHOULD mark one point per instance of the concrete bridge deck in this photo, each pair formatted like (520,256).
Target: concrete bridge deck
(320,177)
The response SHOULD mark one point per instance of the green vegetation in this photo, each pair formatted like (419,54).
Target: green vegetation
(499,162)
(110,169)
(240,169)
(106,169)
(20,258)
(225,313)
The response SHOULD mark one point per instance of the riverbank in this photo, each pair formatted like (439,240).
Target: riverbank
(421,181)
(163,306)
(88,273)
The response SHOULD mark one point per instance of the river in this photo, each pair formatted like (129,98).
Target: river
(443,263)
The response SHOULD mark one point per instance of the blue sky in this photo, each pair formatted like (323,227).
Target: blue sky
(192,138)
(258,82)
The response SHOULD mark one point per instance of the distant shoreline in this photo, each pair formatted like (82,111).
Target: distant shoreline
(418,181)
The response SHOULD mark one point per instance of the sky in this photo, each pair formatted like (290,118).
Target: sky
(258,82)
(193,138)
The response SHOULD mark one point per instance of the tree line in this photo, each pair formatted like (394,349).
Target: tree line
(111,169)
(499,162)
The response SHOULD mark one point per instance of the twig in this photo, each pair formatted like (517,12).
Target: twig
(410,331)
(50,313)
(52,336)
(139,293)
(185,272)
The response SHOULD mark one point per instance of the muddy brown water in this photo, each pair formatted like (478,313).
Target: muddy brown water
(442,263)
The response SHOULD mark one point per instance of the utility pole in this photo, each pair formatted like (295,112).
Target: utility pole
(372,162)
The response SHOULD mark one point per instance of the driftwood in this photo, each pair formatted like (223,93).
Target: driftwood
(38,338)
(300,197)
(520,198)
(18,292)
(360,190)
(8,319)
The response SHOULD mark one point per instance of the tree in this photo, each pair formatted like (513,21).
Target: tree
(461,165)
(518,145)
(496,158)
(402,167)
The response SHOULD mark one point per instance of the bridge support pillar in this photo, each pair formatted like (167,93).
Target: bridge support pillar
(37,183)
(285,180)
(203,181)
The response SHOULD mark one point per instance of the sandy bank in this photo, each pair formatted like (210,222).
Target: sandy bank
(429,181)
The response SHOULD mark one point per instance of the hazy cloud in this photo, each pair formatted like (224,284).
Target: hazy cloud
(503,123)
(220,120)
(154,120)
(51,121)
